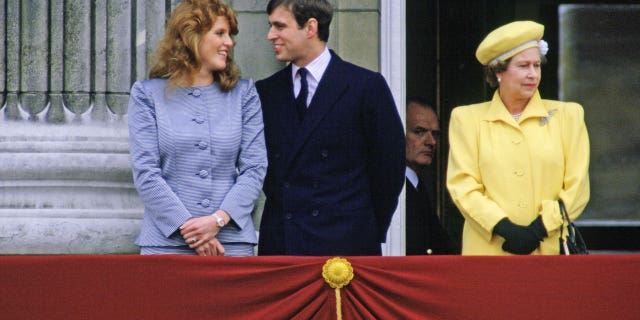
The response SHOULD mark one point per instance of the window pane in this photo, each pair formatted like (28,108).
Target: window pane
(599,67)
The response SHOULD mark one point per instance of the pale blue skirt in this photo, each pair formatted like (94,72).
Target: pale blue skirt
(230,249)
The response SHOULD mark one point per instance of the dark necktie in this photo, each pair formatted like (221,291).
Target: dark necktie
(301,99)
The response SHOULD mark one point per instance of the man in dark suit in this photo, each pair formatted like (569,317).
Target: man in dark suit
(334,143)
(425,234)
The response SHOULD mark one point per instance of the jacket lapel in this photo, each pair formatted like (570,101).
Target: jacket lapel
(330,88)
(286,113)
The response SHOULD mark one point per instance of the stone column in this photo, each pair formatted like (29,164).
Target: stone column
(65,177)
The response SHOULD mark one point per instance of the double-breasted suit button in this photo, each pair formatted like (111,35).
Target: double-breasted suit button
(288,216)
(315,213)
(202,145)
(205,203)
(203,173)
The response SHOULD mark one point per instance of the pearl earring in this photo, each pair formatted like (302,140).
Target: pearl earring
(499,79)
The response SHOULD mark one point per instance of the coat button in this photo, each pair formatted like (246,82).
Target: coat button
(324,153)
(203,173)
(315,213)
(288,216)
(287,185)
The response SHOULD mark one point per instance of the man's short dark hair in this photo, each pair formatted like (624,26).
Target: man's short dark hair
(303,10)
(422,102)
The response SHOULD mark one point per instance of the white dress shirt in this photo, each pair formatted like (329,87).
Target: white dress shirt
(412,176)
(316,69)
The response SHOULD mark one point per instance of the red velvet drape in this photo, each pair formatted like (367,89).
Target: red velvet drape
(441,287)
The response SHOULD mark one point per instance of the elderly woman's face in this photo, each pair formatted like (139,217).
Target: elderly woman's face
(523,74)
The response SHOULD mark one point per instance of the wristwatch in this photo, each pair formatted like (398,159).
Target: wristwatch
(219,220)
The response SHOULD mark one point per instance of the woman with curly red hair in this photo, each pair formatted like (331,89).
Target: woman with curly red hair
(196,139)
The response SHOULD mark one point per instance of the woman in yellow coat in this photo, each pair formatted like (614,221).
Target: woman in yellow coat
(513,158)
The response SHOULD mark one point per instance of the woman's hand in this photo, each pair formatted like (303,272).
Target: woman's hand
(200,234)
(212,247)
(518,239)
(197,231)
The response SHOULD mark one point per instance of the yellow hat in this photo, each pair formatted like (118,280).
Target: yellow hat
(508,40)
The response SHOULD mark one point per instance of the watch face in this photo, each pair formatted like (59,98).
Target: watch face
(219,220)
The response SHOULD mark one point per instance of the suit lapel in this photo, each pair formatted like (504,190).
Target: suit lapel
(286,110)
(330,88)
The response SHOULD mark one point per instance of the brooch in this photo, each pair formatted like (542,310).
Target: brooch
(546,119)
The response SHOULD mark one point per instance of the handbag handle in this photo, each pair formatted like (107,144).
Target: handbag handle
(574,239)
(565,217)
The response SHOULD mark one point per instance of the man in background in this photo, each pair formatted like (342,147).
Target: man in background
(424,232)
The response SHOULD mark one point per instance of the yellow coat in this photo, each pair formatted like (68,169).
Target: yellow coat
(501,168)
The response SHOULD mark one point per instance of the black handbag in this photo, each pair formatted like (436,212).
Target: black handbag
(573,243)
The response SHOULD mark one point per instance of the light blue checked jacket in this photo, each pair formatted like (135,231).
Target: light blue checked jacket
(195,150)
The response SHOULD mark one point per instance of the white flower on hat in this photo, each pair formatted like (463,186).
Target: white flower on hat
(544,47)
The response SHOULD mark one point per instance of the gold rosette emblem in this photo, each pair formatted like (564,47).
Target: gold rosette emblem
(337,272)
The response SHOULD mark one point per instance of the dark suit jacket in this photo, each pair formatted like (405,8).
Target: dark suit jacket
(333,180)
(424,230)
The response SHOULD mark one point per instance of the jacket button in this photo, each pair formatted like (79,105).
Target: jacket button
(315,213)
(288,216)
(205,203)
(287,185)
(199,119)
(325,153)
(203,173)
(202,145)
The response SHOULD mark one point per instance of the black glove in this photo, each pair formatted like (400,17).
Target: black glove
(537,227)
(518,239)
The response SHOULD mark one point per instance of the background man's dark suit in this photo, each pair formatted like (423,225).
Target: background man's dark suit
(333,180)
(425,234)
